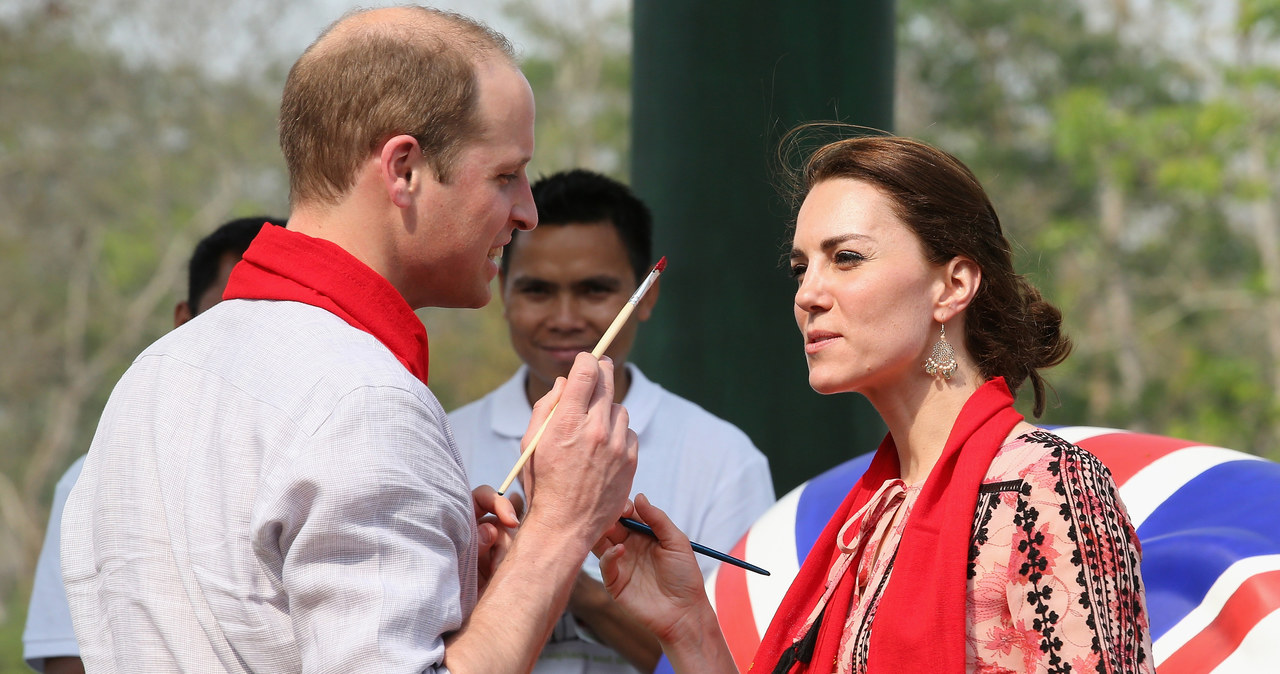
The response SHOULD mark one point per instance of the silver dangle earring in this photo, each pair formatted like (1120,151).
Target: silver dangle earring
(942,359)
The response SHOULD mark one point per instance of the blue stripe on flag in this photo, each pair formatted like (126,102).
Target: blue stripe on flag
(1227,513)
(820,498)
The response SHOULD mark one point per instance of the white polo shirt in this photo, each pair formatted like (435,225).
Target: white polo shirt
(703,471)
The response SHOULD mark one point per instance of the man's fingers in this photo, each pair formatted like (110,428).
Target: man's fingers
(486,534)
(486,501)
(616,533)
(542,408)
(517,502)
(580,388)
(604,384)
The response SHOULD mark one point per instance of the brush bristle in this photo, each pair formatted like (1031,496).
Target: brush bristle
(662,264)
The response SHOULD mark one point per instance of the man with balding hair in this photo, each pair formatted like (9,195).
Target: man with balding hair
(294,499)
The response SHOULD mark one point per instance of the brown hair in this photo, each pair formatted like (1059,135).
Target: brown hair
(1009,329)
(364,81)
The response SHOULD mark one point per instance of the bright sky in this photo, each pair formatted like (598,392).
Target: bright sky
(231,36)
(309,24)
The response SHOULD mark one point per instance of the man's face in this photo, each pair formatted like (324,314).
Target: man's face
(563,287)
(464,223)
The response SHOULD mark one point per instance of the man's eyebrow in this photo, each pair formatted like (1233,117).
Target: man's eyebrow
(529,282)
(601,281)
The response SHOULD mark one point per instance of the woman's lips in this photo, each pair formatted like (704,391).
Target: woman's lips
(818,340)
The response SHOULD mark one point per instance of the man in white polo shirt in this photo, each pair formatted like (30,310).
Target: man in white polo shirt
(562,285)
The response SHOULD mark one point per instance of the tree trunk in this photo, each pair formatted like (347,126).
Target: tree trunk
(1118,296)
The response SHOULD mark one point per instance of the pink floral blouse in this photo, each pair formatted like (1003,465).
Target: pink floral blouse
(1054,583)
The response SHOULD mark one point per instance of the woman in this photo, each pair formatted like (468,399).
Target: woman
(975,541)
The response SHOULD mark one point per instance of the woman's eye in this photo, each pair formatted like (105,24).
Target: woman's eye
(797,270)
(848,257)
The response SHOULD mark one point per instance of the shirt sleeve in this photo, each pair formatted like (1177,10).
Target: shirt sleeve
(742,496)
(1075,588)
(371,524)
(48,633)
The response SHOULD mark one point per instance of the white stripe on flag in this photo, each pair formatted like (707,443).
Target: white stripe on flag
(771,544)
(1074,434)
(1201,616)
(1158,480)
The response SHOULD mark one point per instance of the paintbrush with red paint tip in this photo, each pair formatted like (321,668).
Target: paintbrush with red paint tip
(601,346)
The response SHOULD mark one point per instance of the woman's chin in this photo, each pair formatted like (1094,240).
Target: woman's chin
(827,387)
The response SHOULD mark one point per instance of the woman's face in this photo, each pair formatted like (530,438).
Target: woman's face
(866,295)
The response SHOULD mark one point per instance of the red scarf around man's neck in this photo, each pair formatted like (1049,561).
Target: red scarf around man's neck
(920,623)
(282,264)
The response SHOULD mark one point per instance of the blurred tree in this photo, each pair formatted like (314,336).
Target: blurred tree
(1130,148)
(579,65)
(111,166)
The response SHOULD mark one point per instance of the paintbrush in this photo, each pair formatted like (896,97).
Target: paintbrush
(601,347)
(697,547)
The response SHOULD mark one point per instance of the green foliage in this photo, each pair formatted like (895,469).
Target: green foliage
(110,169)
(1259,17)
(1119,157)
(15,614)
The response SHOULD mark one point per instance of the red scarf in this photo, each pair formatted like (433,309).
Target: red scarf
(919,625)
(282,264)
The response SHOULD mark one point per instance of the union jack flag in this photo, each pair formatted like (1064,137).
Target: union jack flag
(1208,519)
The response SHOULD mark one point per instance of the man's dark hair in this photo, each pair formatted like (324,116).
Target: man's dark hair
(580,196)
(231,237)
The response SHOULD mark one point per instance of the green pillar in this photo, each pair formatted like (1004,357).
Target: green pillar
(715,84)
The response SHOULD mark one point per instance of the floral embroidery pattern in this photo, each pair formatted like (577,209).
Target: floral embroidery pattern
(1053,575)
(1053,569)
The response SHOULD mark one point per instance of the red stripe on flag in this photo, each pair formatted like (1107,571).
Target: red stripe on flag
(1255,599)
(733,609)
(1127,453)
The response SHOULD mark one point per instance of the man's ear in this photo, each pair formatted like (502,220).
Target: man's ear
(645,307)
(181,313)
(960,279)
(401,168)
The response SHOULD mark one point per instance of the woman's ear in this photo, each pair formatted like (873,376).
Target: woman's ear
(960,279)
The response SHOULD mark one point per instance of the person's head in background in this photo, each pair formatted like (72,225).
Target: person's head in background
(564,282)
(212,261)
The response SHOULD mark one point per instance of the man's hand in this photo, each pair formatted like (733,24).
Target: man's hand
(579,477)
(583,469)
(497,518)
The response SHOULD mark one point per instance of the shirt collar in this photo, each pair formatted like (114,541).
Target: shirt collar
(509,415)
